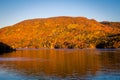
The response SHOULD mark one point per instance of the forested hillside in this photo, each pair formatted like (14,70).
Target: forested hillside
(61,32)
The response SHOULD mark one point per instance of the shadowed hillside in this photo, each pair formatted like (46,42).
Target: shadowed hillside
(60,32)
(4,48)
(113,38)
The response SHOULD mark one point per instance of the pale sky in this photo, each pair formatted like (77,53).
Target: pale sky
(14,11)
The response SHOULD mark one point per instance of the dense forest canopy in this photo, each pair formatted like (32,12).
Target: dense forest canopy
(62,32)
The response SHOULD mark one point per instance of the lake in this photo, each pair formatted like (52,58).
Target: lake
(61,64)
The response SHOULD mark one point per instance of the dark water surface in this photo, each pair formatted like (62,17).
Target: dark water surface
(61,64)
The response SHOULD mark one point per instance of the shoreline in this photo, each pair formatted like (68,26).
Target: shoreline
(17,49)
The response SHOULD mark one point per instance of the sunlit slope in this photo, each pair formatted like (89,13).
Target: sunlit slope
(59,32)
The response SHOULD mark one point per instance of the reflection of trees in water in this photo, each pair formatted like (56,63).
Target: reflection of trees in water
(55,62)
(111,60)
(59,62)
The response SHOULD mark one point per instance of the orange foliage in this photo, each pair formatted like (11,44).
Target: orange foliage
(79,32)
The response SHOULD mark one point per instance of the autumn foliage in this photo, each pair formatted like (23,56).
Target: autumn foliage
(61,32)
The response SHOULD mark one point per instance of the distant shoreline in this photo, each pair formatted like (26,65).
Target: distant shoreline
(65,48)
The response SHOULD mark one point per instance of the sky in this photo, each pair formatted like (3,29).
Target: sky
(14,11)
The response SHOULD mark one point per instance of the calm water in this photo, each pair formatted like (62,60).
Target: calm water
(61,64)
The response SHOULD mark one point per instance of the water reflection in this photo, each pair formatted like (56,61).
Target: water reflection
(62,64)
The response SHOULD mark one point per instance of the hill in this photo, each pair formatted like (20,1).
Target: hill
(111,24)
(60,32)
